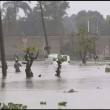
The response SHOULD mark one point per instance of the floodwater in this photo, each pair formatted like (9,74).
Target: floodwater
(83,79)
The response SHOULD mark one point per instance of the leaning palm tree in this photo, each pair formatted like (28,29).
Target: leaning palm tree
(16,5)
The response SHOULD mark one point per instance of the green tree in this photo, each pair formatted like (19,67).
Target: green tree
(2,49)
(106,30)
(7,20)
(54,11)
(15,6)
(81,19)
(32,25)
(85,43)
(29,58)
(94,17)
(69,24)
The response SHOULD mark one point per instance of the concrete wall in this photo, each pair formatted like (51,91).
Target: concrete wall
(103,46)
(11,44)
(56,43)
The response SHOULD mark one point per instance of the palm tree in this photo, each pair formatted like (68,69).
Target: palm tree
(45,33)
(7,19)
(16,5)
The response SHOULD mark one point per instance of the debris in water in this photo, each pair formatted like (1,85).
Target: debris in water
(70,91)
(40,75)
(62,103)
(43,103)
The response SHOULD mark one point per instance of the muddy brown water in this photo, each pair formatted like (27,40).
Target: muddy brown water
(84,79)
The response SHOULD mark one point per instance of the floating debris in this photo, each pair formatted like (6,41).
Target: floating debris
(43,103)
(62,103)
(70,91)
(39,75)
(98,88)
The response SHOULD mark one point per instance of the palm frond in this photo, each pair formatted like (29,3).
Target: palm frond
(24,5)
(5,4)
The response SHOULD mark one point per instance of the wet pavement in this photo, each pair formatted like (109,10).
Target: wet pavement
(84,79)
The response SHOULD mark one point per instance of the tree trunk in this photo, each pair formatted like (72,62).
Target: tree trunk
(15,33)
(45,33)
(83,57)
(84,60)
(2,49)
(28,70)
(58,71)
(29,64)
(8,26)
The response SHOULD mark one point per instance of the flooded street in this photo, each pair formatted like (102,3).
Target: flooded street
(83,79)
(67,33)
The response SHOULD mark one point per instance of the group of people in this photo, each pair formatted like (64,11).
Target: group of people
(92,56)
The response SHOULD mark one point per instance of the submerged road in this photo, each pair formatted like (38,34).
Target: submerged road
(84,79)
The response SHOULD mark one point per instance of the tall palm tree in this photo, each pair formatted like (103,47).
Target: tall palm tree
(8,19)
(16,5)
(45,33)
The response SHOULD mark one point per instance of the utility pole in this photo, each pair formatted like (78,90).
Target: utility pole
(2,49)
(72,40)
(97,28)
(88,26)
(109,46)
(45,34)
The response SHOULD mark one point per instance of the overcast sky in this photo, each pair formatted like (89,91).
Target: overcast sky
(75,6)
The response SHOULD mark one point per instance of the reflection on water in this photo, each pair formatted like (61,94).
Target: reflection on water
(3,83)
(29,83)
(72,77)
(84,79)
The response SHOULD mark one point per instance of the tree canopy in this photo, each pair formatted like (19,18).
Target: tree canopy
(85,43)
(56,19)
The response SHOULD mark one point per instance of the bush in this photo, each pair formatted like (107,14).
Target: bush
(12,106)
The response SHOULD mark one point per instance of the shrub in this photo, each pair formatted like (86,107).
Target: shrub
(12,106)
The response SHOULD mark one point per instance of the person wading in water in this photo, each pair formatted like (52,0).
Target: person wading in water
(16,57)
(16,66)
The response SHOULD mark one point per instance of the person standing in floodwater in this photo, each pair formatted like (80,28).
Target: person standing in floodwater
(16,57)
(16,66)
(95,57)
